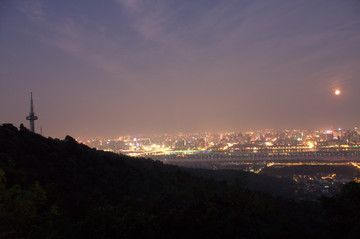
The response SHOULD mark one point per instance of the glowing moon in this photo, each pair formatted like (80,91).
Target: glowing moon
(337,92)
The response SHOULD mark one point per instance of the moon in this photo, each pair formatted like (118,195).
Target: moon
(337,92)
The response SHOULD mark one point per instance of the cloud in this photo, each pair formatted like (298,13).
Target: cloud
(34,10)
(172,41)
(133,5)
(72,36)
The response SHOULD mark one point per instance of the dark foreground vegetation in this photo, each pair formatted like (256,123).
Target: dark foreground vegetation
(52,188)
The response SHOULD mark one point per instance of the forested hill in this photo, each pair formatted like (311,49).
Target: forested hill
(52,188)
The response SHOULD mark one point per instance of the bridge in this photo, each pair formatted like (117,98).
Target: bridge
(271,153)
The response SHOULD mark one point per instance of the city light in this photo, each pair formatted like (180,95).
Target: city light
(262,143)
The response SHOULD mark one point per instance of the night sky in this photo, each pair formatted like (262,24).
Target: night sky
(116,67)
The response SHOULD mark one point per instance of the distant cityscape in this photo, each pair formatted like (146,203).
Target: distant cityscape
(269,143)
(319,162)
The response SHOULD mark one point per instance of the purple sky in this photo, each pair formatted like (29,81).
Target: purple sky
(109,68)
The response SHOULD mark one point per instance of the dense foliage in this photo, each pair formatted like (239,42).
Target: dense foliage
(52,188)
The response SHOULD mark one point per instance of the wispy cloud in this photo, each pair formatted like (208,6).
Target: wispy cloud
(220,35)
(72,36)
(34,10)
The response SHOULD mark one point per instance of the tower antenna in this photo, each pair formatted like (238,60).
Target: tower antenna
(32,117)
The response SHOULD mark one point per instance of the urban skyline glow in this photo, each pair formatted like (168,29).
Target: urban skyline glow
(228,143)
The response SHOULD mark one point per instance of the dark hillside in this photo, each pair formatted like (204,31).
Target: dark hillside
(283,187)
(52,188)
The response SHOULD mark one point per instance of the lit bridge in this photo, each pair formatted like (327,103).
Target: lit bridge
(269,153)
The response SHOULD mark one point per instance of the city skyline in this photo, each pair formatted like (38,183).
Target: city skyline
(145,67)
(194,143)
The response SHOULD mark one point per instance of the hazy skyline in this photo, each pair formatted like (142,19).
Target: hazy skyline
(108,68)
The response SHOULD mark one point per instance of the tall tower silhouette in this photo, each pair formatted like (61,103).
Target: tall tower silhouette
(32,116)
